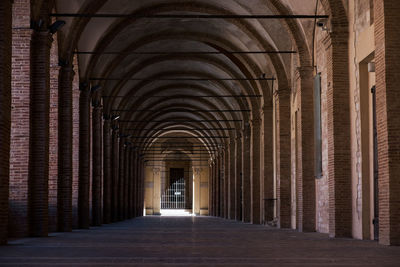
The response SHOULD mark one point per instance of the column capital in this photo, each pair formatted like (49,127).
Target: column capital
(304,72)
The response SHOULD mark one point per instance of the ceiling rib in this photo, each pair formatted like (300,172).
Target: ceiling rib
(185,16)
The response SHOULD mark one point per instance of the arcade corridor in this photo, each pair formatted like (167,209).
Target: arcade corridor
(270,126)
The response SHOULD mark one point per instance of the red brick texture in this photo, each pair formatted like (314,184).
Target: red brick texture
(53,136)
(5,113)
(238,177)
(231,177)
(246,174)
(97,165)
(39,137)
(64,185)
(75,144)
(268,189)
(387,59)
(339,156)
(84,154)
(305,178)
(107,170)
(121,180)
(19,150)
(114,175)
(255,169)
(283,158)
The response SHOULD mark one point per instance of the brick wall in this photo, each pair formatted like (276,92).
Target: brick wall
(19,157)
(75,144)
(53,145)
(5,116)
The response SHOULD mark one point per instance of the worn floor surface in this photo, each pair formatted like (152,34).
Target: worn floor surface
(188,241)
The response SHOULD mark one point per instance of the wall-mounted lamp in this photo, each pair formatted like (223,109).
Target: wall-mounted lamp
(53,28)
(115,117)
(323,24)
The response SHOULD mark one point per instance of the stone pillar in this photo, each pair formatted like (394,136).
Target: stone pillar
(246,174)
(121,180)
(107,185)
(339,134)
(256,170)
(64,183)
(96,167)
(231,179)
(269,201)
(5,113)
(283,158)
(387,58)
(114,174)
(238,177)
(84,156)
(305,177)
(39,137)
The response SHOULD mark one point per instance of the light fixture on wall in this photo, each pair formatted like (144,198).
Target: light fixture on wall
(53,28)
(323,24)
(115,117)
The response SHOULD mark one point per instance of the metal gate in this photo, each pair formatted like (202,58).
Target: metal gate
(174,196)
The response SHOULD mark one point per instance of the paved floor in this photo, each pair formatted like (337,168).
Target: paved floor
(188,241)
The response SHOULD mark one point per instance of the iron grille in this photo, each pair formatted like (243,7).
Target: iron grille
(174,196)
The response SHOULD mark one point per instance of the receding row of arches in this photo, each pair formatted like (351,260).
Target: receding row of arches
(95,114)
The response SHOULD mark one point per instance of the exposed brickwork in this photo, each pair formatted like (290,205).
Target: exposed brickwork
(97,165)
(339,164)
(268,195)
(387,56)
(64,185)
(121,180)
(255,169)
(107,141)
(39,138)
(126,181)
(114,175)
(246,174)
(5,113)
(238,177)
(283,158)
(305,158)
(53,135)
(84,163)
(19,149)
(75,143)
(231,177)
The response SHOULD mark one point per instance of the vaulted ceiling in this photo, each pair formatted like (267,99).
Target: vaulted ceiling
(171,93)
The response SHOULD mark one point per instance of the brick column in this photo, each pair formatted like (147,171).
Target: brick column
(20,128)
(131,182)
(39,136)
(226,180)
(84,155)
(305,176)
(64,188)
(231,179)
(114,174)
(107,169)
(5,113)
(97,158)
(126,180)
(135,183)
(255,170)
(387,56)
(246,174)
(268,194)
(238,177)
(218,183)
(283,158)
(121,181)
(212,188)
(339,147)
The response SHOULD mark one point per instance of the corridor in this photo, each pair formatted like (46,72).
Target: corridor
(185,241)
